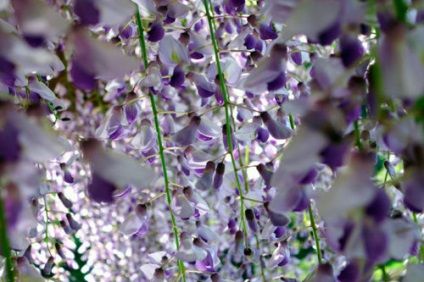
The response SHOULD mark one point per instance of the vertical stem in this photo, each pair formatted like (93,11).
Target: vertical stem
(357,135)
(314,231)
(181,268)
(5,246)
(227,116)
(384,275)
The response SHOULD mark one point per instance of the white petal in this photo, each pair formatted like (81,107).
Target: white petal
(113,13)
(401,237)
(45,93)
(30,60)
(414,273)
(182,207)
(172,52)
(36,17)
(121,169)
(300,155)
(38,145)
(148,270)
(107,61)
(131,225)
(311,17)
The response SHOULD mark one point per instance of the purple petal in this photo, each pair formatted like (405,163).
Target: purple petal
(263,134)
(351,50)
(296,57)
(327,36)
(100,190)
(82,78)
(7,71)
(277,83)
(156,32)
(376,242)
(414,193)
(87,12)
(187,135)
(10,148)
(351,273)
(277,129)
(379,208)
(178,77)
(267,32)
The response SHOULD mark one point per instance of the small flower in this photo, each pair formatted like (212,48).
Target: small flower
(205,182)
(67,203)
(172,52)
(188,134)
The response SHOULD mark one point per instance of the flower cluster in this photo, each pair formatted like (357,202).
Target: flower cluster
(211,140)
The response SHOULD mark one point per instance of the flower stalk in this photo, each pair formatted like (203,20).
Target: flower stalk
(142,42)
(5,245)
(227,116)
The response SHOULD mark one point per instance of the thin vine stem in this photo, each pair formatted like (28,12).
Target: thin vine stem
(5,245)
(227,116)
(181,268)
(315,233)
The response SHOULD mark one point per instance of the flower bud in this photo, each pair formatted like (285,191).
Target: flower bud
(64,200)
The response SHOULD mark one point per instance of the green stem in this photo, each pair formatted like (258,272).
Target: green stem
(314,231)
(384,275)
(5,245)
(357,135)
(181,268)
(227,116)
(291,121)
(258,245)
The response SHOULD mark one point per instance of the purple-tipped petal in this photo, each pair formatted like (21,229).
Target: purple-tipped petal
(277,219)
(265,173)
(219,175)
(251,220)
(187,135)
(205,182)
(65,201)
(277,129)
(132,109)
(204,87)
